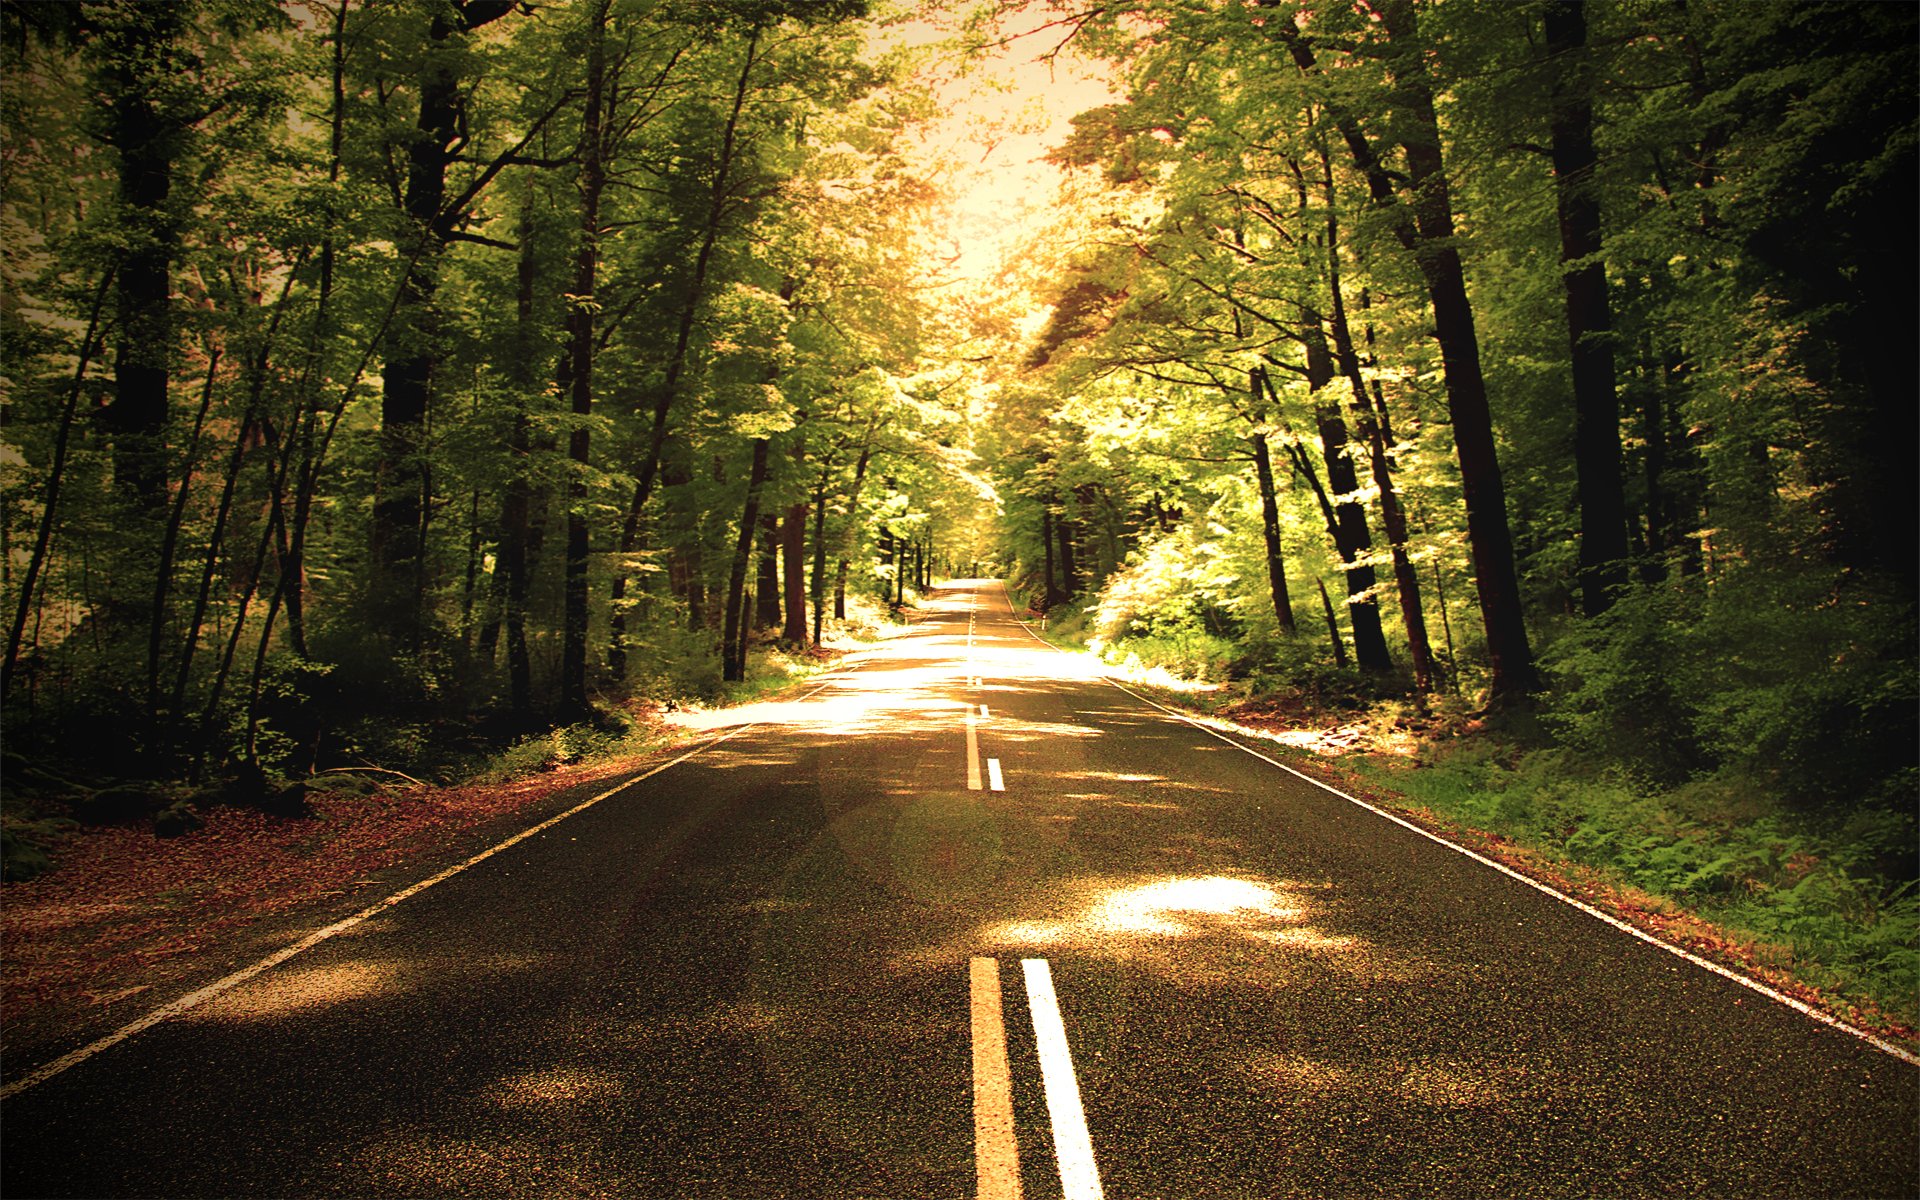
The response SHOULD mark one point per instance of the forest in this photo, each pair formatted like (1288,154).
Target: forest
(390,381)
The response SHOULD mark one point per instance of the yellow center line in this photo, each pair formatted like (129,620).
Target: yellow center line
(996,1153)
(973,753)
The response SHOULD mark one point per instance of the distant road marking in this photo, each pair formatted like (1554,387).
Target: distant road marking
(195,999)
(994,781)
(973,754)
(983,712)
(996,1152)
(1754,985)
(1072,1147)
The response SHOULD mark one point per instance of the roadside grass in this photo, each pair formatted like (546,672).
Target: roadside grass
(1792,897)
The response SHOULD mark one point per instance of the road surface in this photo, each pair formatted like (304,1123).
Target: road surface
(967,920)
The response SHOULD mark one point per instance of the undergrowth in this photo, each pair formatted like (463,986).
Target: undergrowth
(1818,900)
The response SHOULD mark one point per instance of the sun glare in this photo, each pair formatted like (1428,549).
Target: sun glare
(999,115)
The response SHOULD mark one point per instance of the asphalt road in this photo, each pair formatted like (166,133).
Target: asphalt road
(967,920)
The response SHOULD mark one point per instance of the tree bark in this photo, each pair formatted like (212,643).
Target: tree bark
(1429,236)
(401,510)
(818,580)
(1063,537)
(1050,595)
(793,549)
(1374,428)
(138,43)
(1346,518)
(580,323)
(1333,627)
(689,309)
(1270,530)
(734,636)
(766,588)
(56,479)
(1596,405)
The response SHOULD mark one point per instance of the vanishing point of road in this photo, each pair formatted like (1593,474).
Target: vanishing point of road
(967,919)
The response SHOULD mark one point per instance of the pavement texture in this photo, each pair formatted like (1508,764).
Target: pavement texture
(747,975)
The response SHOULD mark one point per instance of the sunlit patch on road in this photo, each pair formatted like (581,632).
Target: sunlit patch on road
(1430,1082)
(1177,908)
(283,993)
(556,1085)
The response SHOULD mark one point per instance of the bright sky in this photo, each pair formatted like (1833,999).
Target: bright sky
(1001,116)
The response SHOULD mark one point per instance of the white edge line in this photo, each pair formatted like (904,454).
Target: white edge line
(1748,982)
(1072,1145)
(195,999)
(995,780)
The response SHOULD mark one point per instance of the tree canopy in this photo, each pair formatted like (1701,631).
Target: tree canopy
(377,373)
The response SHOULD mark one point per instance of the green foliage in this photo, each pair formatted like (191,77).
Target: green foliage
(1817,894)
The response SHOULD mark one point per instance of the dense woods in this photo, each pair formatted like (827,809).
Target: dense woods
(381,369)
(1559,344)
(387,375)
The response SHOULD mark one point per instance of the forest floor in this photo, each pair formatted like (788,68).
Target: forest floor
(128,919)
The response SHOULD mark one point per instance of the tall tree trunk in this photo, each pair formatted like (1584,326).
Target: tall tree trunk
(56,479)
(793,550)
(1333,626)
(140,42)
(169,544)
(1049,593)
(1374,428)
(401,509)
(1596,405)
(690,306)
(766,588)
(1346,518)
(516,502)
(733,639)
(1495,574)
(1270,530)
(580,324)
(1429,236)
(852,527)
(1063,537)
(818,579)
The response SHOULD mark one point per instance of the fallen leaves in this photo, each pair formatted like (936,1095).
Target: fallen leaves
(126,912)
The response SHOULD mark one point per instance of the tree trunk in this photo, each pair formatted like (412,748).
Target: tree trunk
(1346,519)
(1270,529)
(1063,536)
(401,509)
(516,502)
(733,638)
(56,478)
(1050,595)
(1333,626)
(1374,432)
(766,588)
(1429,236)
(169,543)
(1596,405)
(580,323)
(793,549)
(1495,574)
(689,309)
(818,580)
(140,44)
(852,527)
